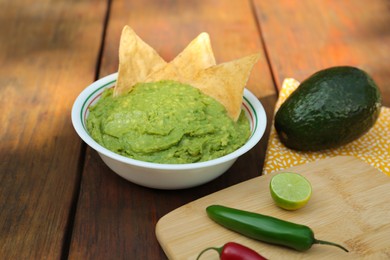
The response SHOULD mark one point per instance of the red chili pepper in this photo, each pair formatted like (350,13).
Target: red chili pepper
(234,251)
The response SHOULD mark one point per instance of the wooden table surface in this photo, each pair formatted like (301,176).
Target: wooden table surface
(58,200)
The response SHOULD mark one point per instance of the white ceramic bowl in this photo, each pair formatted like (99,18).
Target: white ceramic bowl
(164,176)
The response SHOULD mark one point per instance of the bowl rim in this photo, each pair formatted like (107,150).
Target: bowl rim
(259,122)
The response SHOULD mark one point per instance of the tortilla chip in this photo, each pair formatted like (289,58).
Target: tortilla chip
(195,65)
(225,82)
(198,55)
(136,61)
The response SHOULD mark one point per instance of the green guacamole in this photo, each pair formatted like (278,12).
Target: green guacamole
(166,122)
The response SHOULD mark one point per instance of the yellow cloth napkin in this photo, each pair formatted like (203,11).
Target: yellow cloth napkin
(373,147)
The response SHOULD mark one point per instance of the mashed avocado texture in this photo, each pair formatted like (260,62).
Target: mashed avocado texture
(166,122)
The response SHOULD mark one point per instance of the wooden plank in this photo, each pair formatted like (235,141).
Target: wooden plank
(303,37)
(116,219)
(48,52)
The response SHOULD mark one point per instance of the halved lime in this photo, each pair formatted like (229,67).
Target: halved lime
(290,191)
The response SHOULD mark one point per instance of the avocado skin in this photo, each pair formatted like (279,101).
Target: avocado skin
(329,109)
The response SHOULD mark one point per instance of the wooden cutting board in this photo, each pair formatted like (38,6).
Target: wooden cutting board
(350,205)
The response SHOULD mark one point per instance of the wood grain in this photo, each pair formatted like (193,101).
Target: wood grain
(347,207)
(303,37)
(48,53)
(115,219)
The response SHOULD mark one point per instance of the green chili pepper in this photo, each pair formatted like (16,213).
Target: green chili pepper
(266,228)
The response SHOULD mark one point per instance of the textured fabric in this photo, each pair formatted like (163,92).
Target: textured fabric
(373,147)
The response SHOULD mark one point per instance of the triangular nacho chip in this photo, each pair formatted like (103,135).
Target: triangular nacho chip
(225,82)
(198,55)
(136,61)
(195,65)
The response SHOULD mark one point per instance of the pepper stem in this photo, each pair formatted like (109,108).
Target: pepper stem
(218,249)
(316,241)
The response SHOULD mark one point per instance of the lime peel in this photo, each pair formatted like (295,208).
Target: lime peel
(290,191)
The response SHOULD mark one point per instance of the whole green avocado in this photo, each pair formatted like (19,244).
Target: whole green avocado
(329,109)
